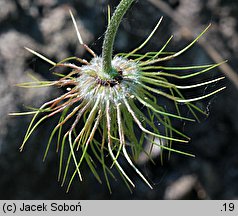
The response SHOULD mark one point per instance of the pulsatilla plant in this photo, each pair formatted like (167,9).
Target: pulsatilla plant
(106,95)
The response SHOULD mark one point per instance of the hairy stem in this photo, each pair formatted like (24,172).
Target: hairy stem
(110,37)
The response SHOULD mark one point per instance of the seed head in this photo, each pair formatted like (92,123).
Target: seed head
(120,113)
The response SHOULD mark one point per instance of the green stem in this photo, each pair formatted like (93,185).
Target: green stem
(110,37)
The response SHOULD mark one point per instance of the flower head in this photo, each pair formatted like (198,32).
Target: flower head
(116,114)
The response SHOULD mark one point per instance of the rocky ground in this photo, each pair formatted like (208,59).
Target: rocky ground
(46,27)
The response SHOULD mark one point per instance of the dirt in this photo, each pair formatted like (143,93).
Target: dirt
(45,26)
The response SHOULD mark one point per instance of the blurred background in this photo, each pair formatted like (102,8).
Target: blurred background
(45,26)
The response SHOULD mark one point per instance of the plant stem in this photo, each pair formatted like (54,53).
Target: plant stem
(110,37)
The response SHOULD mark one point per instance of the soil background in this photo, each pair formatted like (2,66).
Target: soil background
(45,26)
